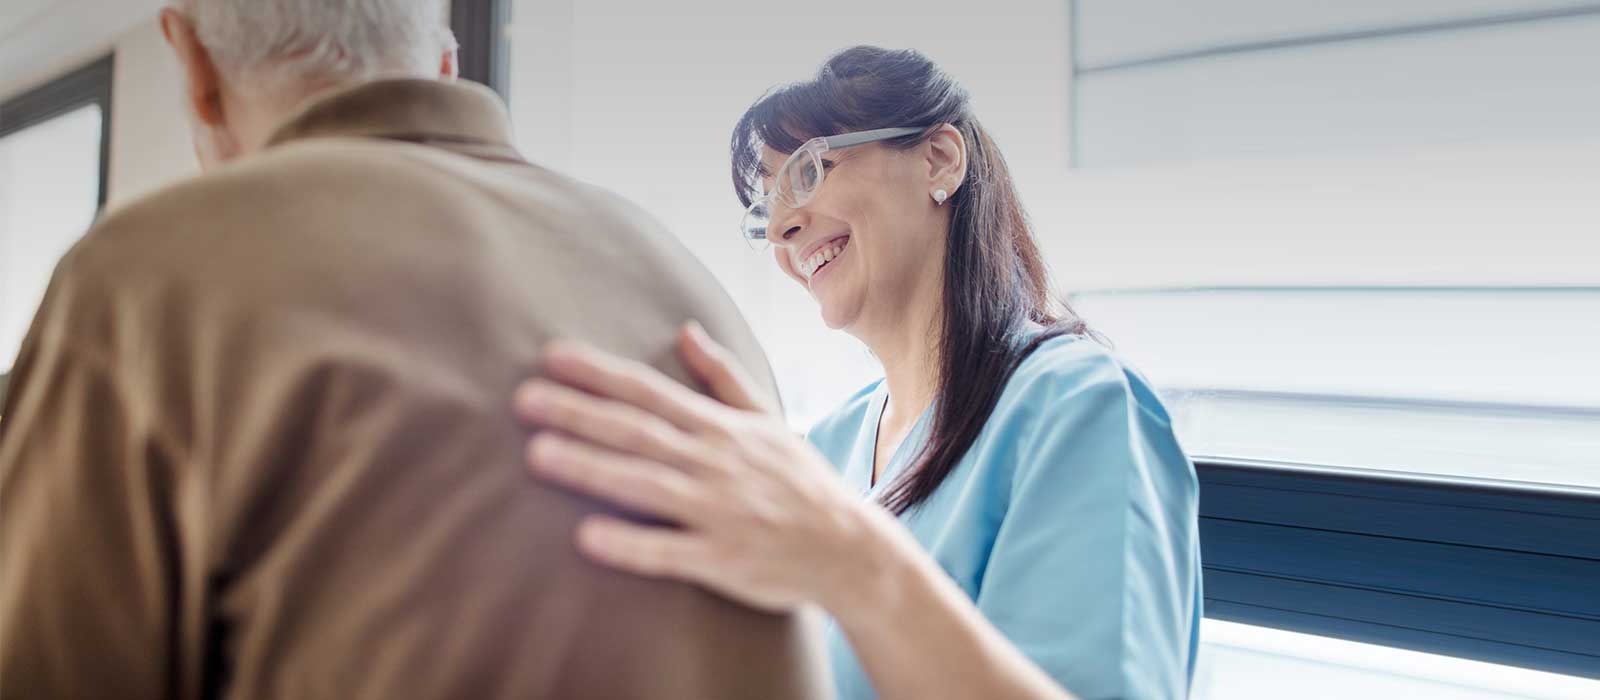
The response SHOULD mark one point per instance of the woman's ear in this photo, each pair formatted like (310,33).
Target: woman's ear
(946,152)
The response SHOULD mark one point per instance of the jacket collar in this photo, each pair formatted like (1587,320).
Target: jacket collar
(459,116)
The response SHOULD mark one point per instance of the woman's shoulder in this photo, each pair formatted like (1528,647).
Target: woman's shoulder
(1070,367)
(845,420)
(1075,407)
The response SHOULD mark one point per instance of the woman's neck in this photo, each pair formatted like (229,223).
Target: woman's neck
(909,349)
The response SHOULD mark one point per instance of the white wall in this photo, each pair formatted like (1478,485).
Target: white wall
(150,144)
(642,97)
(46,38)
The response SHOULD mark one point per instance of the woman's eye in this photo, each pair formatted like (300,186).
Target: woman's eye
(827,165)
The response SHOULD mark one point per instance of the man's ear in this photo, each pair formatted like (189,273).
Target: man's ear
(450,64)
(203,83)
(947,159)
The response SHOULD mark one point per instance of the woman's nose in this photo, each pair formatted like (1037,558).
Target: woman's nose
(786,223)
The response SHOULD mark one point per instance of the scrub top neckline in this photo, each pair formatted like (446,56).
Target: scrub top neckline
(903,452)
(866,448)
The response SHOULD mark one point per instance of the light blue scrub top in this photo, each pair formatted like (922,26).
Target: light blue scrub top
(1071,522)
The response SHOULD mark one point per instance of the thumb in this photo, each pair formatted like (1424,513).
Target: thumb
(716,366)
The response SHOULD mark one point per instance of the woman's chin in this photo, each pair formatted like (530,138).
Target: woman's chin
(838,302)
(836,315)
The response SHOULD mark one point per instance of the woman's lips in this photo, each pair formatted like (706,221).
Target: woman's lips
(819,245)
(821,270)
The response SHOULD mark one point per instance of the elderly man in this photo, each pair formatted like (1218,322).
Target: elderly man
(258,441)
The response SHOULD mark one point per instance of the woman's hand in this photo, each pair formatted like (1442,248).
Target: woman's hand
(762,516)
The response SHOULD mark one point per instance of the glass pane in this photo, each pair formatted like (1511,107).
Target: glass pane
(1242,662)
(1482,383)
(1375,254)
(1510,214)
(49,191)
(1121,30)
(1527,82)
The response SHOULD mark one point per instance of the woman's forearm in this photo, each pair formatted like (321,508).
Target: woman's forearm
(918,636)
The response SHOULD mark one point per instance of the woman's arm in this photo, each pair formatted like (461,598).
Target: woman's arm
(761,518)
(918,636)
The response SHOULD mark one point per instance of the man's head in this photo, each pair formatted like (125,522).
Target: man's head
(248,64)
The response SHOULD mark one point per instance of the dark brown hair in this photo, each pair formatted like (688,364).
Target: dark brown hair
(995,281)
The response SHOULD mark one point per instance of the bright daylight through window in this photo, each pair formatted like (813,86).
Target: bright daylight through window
(49,188)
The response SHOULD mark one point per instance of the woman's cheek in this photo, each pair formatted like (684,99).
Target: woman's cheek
(781,257)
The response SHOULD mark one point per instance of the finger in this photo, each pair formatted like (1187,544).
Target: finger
(720,371)
(656,552)
(635,383)
(645,487)
(609,424)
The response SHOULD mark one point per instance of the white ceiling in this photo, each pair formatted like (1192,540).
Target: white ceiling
(40,39)
(15,13)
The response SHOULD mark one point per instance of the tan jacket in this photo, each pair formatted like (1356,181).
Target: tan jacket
(258,442)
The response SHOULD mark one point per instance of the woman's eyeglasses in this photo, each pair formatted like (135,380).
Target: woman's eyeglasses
(801,176)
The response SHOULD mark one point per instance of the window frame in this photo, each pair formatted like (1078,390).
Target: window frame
(87,85)
(1493,571)
(480,28)
(90,84)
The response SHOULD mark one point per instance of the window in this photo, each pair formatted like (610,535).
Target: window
(1239,662)
(1355,247)
(1486,383)
(478,26)
(53,144)
(1207,81)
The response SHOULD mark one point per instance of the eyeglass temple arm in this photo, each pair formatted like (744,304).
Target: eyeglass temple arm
(860,137)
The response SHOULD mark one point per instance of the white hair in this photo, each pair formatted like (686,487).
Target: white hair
(285,43)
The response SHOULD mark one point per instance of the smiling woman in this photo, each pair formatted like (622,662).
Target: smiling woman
(980,277)
(1007,507)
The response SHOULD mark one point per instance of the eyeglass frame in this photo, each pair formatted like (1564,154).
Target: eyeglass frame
(813,149)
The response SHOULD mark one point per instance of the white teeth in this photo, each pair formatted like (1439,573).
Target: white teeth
(821,257)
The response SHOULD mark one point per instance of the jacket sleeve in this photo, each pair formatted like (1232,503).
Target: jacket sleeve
(86,562)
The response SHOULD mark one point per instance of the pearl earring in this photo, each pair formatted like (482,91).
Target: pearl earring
(939,196)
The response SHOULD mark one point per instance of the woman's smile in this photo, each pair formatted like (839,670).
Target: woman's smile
(820,258)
